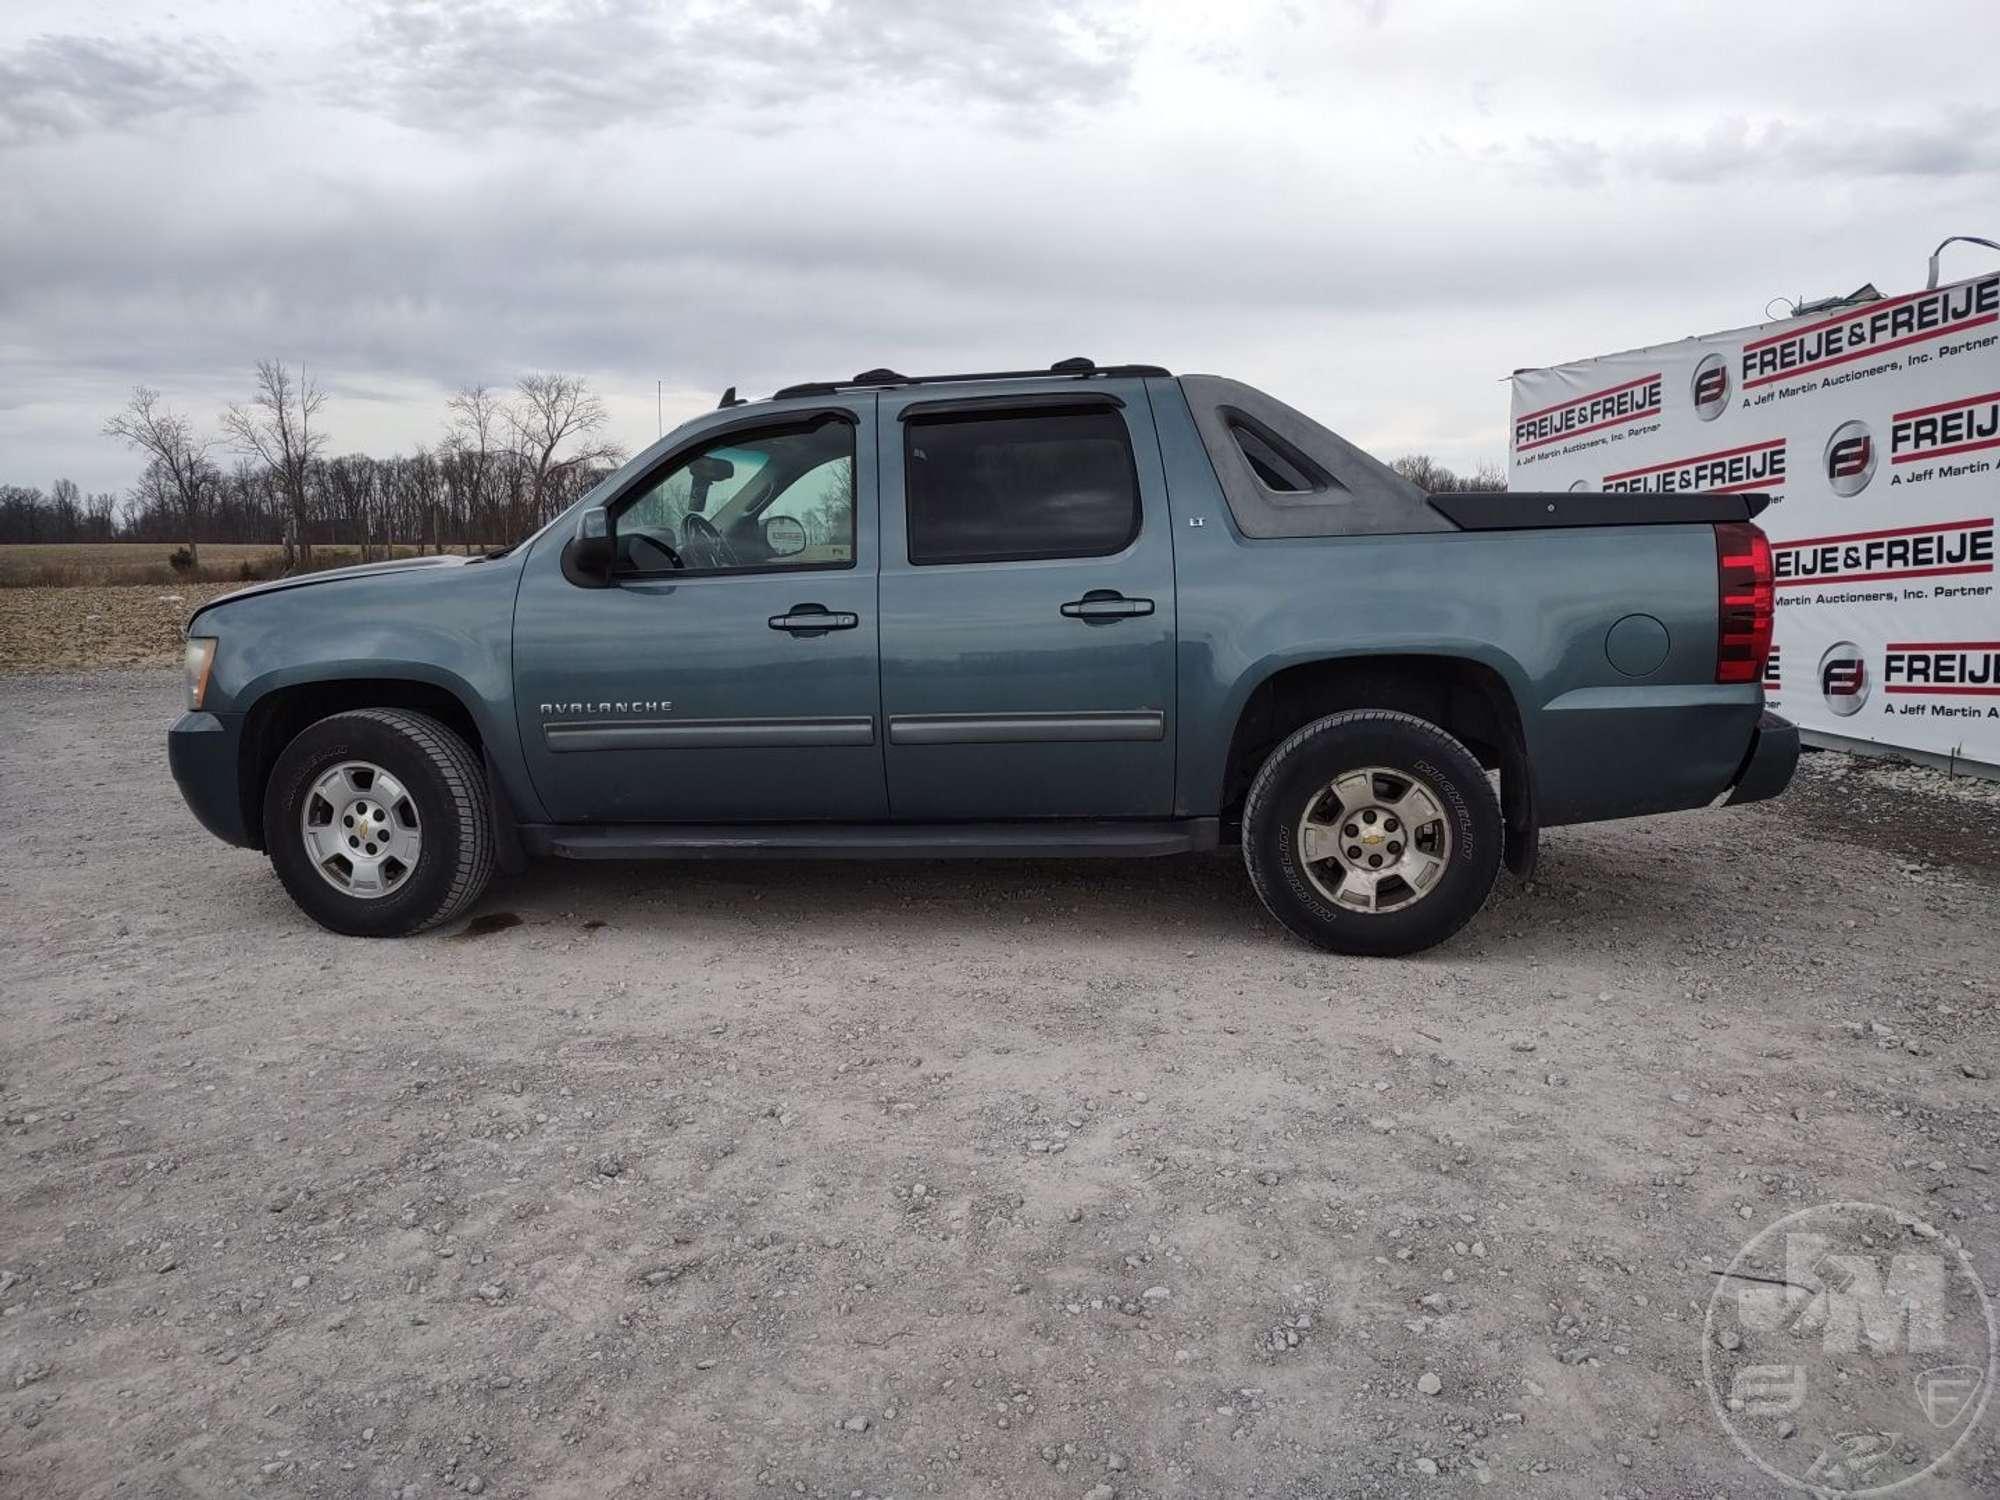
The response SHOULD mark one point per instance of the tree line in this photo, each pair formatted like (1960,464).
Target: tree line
(1433,478)
(504,464)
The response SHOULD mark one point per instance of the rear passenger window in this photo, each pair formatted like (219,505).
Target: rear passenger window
(1001,487)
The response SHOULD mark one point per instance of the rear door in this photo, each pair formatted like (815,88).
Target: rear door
(1027,606)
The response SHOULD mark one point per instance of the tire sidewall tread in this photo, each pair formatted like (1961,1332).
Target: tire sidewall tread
(1302,766)
(455,809)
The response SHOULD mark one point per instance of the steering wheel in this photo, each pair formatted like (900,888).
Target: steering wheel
(698,528)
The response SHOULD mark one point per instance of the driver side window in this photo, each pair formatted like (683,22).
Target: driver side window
(751,502)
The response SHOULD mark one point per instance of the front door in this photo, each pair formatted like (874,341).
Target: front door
(731,672)
(1027,602)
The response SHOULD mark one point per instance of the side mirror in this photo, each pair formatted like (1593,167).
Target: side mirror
(588,559)
(784,535)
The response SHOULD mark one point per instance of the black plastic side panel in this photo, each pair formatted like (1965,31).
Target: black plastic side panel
(1364,498)
(1529,511)
(1767,769)
(1043,840)
(508,854)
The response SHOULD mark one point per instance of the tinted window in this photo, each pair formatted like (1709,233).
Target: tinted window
(997,487)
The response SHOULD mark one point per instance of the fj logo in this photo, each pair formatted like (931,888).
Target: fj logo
(1850,458)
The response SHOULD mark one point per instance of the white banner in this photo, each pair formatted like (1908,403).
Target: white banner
(1876,430)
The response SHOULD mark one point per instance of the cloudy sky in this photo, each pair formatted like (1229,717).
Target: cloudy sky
(1374,208)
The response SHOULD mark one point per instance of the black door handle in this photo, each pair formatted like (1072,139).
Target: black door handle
(1102,606)
(814,619)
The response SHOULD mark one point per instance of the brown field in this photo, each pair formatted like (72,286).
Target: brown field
(95,625)
(68,564)
(83,605)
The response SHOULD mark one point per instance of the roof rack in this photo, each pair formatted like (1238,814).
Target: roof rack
(1078,367)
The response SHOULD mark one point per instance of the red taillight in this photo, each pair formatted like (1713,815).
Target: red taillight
(1746,599)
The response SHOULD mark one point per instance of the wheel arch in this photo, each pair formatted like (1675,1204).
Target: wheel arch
(283,708)
(1472,699)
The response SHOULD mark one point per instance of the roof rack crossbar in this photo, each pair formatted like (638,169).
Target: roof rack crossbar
(1076,368)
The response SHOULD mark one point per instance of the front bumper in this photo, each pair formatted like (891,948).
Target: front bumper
(1767,769)
(202,750)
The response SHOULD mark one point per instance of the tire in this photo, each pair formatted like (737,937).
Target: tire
(1318,784)
(430,803)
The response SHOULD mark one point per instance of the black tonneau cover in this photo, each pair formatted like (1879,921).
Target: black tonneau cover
(1529,510)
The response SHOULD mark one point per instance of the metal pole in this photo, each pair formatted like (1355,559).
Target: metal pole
(1967,239)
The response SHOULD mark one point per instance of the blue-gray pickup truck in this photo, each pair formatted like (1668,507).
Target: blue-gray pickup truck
(1088,610)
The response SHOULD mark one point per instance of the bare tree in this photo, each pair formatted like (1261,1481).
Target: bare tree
(350,484)
(170,441)
(551,414)
(278,428)
(1433,478)
(1425,472)
(22,518)
(417,492)
(100,515)
(66,508)
(472,436)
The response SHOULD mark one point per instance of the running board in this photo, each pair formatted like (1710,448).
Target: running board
(1044,840)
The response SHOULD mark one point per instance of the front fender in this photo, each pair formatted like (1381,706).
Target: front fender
(448,629)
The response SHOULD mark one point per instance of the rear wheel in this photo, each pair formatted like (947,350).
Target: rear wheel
(1372,832)
(378,822)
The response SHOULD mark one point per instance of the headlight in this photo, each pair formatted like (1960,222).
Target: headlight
(200,657)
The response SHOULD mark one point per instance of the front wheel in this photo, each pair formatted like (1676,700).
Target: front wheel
(378,822)
(1372,832)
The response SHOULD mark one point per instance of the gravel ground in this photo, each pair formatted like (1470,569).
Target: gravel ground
(930,1179)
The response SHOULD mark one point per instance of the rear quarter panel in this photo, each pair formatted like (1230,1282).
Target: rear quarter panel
(1534,606)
